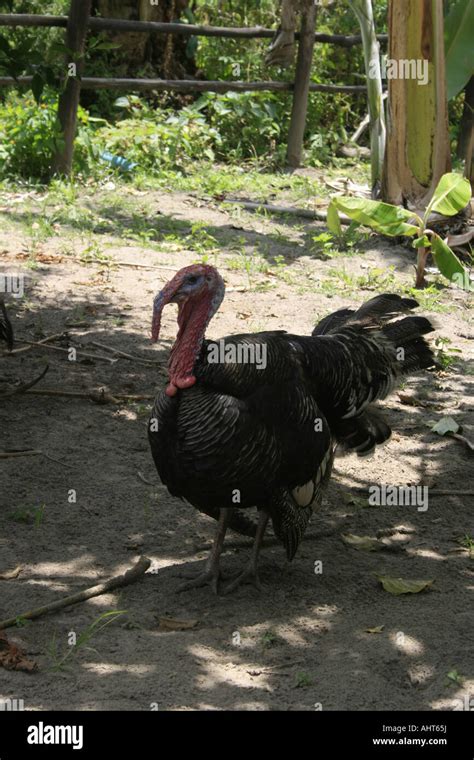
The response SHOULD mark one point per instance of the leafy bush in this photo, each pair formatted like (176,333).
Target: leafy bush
(158,140)
(30,135)
(250,124)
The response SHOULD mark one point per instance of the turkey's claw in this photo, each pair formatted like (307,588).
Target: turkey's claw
(248,575)
(210,577)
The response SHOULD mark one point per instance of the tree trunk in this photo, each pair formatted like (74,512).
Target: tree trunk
(76,32)
(418,149)
(302,81)
(158,55)
(365,16)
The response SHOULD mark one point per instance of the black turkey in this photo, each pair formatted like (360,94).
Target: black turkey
(230,432)
(6,330)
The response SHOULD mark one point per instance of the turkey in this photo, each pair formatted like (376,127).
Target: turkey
(253,420)
(6,330)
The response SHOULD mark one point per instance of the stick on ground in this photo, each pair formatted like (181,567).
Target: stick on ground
(130,576)
(19,453)
(138,359)
(25,386)
(79,352)
(40,342)
(99,396)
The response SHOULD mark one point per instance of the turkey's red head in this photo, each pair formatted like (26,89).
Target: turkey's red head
(198,290)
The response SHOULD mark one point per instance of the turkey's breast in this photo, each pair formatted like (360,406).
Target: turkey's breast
(241,434)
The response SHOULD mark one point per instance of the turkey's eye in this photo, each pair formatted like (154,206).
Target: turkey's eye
(192,279)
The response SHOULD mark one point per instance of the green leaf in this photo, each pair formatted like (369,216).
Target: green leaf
(333,221)
(106,46)
(122,102)
(458,26)
(381,217)
(397,586)
(422,242)
(365,543)
(445,425)
(455,677)
(447,261)
(452,195)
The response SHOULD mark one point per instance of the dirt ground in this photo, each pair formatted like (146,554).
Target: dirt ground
(302,643)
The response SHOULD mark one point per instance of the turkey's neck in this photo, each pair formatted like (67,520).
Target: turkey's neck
(193,319)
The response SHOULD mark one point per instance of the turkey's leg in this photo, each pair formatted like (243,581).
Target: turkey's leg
(250,572)
(212,572)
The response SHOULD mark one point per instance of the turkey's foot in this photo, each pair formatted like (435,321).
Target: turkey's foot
(249,575)
(209,577)
(250,572)
(212,574)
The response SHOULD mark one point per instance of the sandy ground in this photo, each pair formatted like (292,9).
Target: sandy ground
(301,644)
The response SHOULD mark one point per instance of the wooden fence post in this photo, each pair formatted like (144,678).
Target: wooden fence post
(302,81)
(76,32)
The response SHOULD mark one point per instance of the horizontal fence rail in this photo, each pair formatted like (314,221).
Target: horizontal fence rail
(79,22)
(191,30)
(191,85)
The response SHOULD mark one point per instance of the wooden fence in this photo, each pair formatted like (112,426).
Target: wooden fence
(79,22)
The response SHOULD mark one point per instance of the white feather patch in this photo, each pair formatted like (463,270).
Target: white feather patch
(303,495)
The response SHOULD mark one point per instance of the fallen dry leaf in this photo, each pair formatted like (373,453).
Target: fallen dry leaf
(376,629)
(366,543)
(8,575)
(175,624)
(445,425)
(398,586)
(49,258)
(410,400)
(13,657)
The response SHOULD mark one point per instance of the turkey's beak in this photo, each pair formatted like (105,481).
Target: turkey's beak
(169,294)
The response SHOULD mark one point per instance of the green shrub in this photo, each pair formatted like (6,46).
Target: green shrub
(158,140)
(249,124)
(30,135)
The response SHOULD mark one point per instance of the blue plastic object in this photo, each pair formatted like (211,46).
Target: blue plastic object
(118,162)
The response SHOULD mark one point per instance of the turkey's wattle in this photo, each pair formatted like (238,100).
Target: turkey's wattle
(198,290)
(228,436)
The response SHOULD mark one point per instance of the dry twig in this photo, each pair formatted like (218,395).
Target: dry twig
(130,576)
(99,396)
(25,386)
(79,352)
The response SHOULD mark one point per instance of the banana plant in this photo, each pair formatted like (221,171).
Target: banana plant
(452,194)
(458,31)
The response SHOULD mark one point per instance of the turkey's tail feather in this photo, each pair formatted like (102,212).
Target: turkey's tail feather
(386,345)
(414,353)
(289,523)
(289,517)
(363,433)
(333,321)
(6,330)
(382,308)
(376,312)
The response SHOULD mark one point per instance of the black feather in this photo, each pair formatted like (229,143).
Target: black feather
(6,329)
(244,436)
